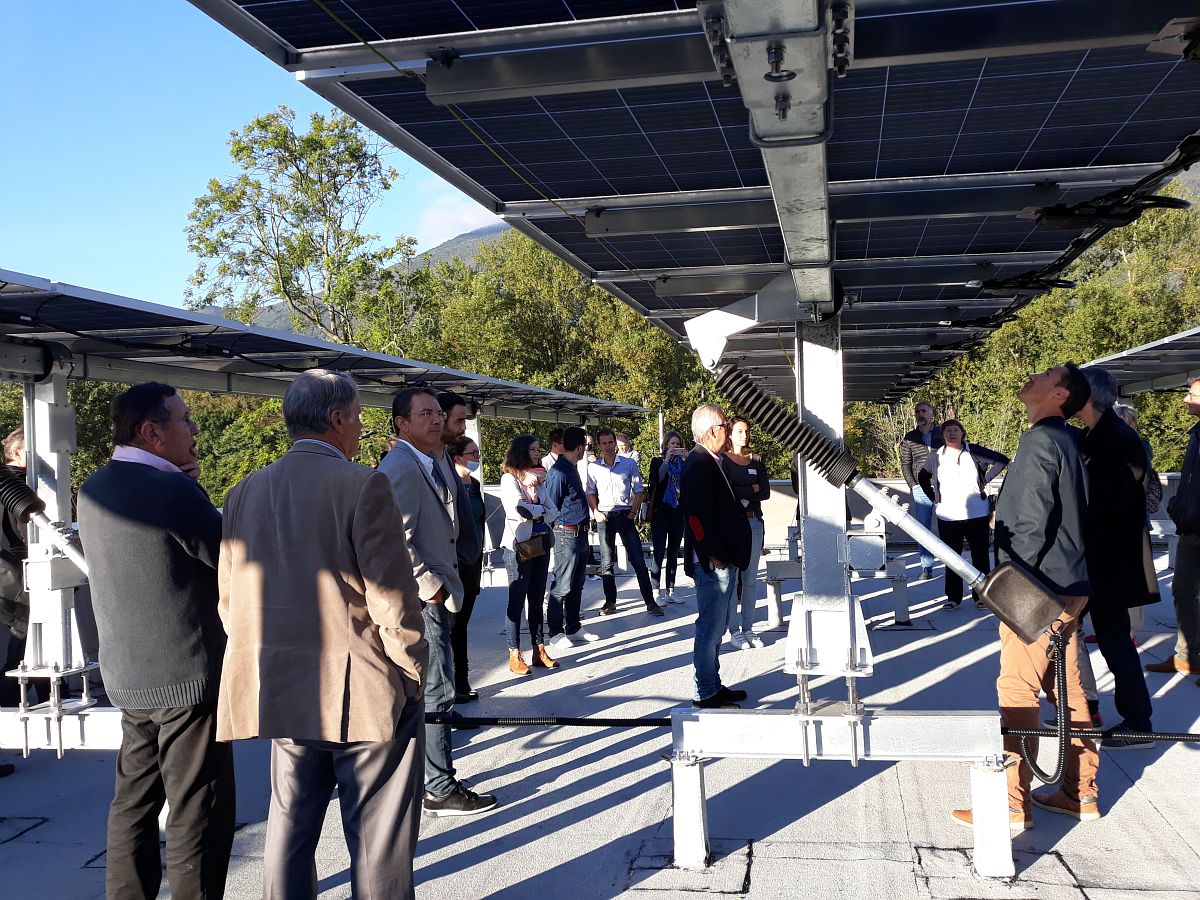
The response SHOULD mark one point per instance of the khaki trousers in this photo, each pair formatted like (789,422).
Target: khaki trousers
(1025,669)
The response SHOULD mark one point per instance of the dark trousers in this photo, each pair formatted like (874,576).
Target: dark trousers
(618,524)
(1110,620)
(171,755)
(439,697)
(470,574)
(570,570)
(526,589)
(666,531)
(976,532)
(379,791)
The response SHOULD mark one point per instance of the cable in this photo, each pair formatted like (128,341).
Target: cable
(1058,655)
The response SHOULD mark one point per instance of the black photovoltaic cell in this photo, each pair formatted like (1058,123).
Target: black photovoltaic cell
(305,25)
(947,237)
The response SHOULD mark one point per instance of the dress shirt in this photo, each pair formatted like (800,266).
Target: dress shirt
(563,491)
(323,444)
(613,487)
(424,459)
(125,453)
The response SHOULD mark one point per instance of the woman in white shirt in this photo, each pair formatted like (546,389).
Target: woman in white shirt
(955,477)
(525,520)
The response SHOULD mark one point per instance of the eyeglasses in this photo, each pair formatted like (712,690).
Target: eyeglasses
(427,414)
(474,453)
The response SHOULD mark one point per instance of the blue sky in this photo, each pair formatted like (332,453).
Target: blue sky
(116,114)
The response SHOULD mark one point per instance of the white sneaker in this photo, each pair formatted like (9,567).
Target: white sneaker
(671,598)
(739,641)
(588,636)
(756,641)
(663,597)
(562,642)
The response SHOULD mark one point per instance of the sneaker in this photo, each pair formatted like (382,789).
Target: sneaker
(465,695)
(731,694)
(926,574)
(589,636)
(654,609)
(608,609)
(1174,664)
(739,641)
(562,642)
(1018,820)
(952,604)
(662,596)
(671,598)
(756,641)
(1085,809)
(459,802)
(1111,743)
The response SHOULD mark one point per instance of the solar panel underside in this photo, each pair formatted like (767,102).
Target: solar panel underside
(1067,110)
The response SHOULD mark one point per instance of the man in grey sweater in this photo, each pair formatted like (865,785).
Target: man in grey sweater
(152,538)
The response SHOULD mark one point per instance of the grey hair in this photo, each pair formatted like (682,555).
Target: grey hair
(312,398)
(1104,387)
(704,418)
(1128,413)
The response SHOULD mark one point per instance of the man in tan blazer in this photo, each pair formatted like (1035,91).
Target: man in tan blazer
(424,484)
(326,652)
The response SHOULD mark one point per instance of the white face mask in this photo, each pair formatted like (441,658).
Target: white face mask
(472,465)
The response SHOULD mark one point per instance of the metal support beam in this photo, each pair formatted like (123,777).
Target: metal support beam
(698,217)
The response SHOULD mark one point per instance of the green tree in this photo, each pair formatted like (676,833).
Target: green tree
(288,228)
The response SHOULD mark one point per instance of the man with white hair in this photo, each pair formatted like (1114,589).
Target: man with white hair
(716,545)
(1116,543)
(327,653)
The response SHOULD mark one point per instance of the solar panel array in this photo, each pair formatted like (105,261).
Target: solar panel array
(114,338)
(1157,366)
(907,122)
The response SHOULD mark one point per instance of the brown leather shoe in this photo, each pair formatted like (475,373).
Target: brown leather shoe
(1171,666)
(1018,820)
(542,660)
(1085,809)
(516,664)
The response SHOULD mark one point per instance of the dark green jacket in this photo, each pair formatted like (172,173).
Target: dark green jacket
(1042,507)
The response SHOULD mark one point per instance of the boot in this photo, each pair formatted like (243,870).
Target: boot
(542,660)
(516,664)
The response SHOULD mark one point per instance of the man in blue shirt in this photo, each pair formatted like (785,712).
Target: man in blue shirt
(614,488)
(563,491)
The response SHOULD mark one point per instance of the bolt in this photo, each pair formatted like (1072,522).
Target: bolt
(782,104)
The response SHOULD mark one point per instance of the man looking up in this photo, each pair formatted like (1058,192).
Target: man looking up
(470,551)
(716,546)
(556,448)
(614,489)
(914,448)
(425,487)
(1117,546)
(1040,526)
(563,492)
(152,539)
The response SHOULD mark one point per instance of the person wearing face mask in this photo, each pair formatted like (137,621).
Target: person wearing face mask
(464,453)
(748,477)
(955,477)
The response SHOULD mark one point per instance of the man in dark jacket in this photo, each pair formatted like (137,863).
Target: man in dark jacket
(914,448)
(1184,509)
(716,545)
(1040,527)
(1117,546)
(152,538)
(14,599)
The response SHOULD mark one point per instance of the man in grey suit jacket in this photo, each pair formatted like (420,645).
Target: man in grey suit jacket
(425,489)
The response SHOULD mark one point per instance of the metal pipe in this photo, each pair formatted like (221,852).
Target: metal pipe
(65,545)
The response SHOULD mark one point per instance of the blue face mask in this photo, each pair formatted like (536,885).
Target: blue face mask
(472,465)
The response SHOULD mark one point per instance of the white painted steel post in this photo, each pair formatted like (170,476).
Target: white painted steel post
(897,575)
(989,814)
(774,605)
(689,819)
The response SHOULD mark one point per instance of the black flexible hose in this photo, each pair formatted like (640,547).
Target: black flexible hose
(827,456)
(1165,736)
(1058,656)
(18,497)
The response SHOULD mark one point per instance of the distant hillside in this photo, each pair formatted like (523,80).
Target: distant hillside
(465,245)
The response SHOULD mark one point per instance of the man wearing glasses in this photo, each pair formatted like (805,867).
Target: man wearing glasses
(426,490)
(716,545)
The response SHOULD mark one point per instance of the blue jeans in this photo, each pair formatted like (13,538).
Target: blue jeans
(714,590)
(570,569)
(439,697)
(526,587)
(922,511)
(746,594)
(618,524)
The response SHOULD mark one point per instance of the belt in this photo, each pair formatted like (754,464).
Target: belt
(568,527)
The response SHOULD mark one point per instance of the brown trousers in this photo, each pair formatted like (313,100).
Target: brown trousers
(1025,669)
